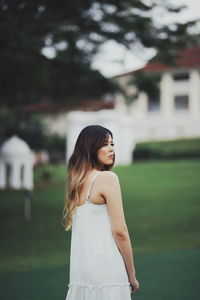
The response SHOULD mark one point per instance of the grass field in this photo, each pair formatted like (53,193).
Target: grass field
(162,208)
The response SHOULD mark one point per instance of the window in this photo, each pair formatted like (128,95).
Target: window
(181,102)
(181,76)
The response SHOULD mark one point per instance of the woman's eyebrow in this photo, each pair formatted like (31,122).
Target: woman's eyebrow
(108,141)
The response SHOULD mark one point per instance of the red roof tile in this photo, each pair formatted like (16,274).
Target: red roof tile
(188,58)
(47,106)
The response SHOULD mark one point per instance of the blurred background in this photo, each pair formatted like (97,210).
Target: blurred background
(134,67)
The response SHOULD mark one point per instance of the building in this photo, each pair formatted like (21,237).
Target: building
(54,114)
(177,113)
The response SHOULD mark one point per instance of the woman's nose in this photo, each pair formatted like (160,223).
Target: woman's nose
(110,148)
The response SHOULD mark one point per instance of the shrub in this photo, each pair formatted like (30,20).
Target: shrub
(172,149)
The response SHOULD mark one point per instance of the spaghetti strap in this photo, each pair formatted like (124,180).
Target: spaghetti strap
(90,187)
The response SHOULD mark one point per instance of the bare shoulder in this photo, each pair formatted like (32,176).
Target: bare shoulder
(109,176)
(111,192)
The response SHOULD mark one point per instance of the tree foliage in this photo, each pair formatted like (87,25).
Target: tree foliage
(75,30)
(148,83)
(29,128)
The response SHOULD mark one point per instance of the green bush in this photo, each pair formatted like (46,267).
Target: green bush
(44,172)
(172,149)
(56,146)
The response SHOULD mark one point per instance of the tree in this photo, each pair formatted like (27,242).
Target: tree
(28,127)
(75,30)
(143,82)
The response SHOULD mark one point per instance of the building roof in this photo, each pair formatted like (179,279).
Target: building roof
(47,106)
(15,146)
(187,59)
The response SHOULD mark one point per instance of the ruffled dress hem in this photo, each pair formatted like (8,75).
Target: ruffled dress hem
(107,291)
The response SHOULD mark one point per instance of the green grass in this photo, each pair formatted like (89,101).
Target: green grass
(177,148)
(162,204)
(162,208)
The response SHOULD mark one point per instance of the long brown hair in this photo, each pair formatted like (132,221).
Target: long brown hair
(82,161)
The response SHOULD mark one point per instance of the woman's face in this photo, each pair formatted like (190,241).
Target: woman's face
(105,154)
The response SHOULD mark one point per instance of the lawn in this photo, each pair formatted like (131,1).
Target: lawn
(162,209)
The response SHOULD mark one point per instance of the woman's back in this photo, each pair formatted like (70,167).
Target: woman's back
(97,269)
(92,189)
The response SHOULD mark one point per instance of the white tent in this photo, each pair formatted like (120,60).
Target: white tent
(16,164)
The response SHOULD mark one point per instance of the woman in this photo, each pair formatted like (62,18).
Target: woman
(101,258)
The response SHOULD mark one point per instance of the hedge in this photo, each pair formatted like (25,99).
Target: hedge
(169,149)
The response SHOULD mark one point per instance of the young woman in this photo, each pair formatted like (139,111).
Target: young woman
(101,258)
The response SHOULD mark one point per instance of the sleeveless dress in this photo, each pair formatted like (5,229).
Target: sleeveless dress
(97,268)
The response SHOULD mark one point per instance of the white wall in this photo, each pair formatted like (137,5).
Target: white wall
(167,123)
(55,122)
(121,127)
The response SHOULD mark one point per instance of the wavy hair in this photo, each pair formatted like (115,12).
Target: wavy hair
(82,161)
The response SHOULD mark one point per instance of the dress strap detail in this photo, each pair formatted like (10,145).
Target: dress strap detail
(90,186)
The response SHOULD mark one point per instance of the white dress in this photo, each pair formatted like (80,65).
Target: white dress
(97,268)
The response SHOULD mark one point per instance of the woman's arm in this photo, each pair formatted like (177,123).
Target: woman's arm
(112,194)
(124,244)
